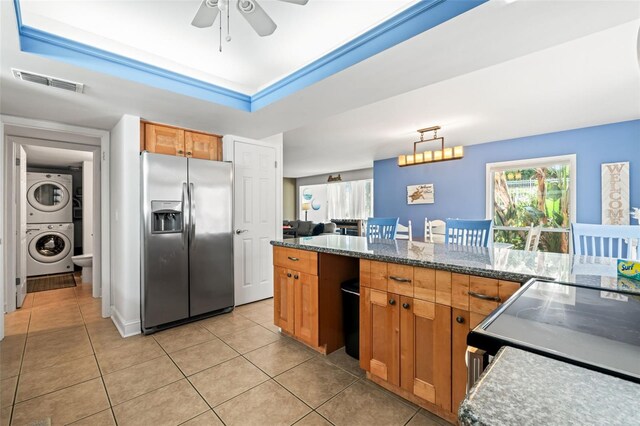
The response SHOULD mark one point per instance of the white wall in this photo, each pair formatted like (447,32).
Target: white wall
(125,225)
(87,207)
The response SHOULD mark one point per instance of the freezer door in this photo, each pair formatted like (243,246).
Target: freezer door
(210,239)
(165,261)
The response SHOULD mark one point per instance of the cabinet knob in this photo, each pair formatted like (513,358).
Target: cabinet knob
(189,153)
(179,151)
(405,305)
(392,302)
(460,320)
(295,277)
(289,275)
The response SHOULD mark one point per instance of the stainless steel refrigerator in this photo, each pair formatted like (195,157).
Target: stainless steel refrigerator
(187,247)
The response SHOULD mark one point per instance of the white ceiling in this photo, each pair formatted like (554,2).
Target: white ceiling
(589,81)
(43,156)
(498,71)
(159,33)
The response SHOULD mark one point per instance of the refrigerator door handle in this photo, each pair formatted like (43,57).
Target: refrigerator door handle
(192,212)
(185,223)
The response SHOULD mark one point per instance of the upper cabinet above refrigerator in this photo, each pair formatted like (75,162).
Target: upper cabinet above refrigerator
(169,140)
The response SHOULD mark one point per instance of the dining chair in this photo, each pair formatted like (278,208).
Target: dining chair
(620,241)
(382,227)
(404,232)
(468,232)
(434,231)
(533,238)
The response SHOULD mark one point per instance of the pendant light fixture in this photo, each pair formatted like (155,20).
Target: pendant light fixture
(422,157)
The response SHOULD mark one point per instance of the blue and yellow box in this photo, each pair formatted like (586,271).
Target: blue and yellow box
(629,269)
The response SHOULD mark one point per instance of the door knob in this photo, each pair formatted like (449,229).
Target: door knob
(460,320)
(240,231)
(405,305)
(392,302)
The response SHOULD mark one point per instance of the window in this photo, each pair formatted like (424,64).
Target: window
(341,200)
(539,192)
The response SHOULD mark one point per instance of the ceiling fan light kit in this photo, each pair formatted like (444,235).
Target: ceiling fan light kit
(443,154)
(251,10)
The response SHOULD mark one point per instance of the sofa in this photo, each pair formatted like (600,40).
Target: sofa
(301,228)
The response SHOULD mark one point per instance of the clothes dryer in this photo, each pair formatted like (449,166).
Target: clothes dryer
(49,198)
(50,248)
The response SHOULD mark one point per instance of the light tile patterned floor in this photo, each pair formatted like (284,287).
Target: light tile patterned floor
(60,361)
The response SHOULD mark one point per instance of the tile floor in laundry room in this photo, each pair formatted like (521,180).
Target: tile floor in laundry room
(61,363)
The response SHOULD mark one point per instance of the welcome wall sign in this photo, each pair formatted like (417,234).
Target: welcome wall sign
(615,193)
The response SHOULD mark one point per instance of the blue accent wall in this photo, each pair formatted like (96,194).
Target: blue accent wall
(459,185)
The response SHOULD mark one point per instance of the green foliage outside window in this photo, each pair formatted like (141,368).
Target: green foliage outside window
(538,196)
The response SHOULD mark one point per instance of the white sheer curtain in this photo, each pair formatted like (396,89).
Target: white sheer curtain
(350,200)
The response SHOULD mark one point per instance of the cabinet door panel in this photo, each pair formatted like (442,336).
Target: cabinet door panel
(164,140)
(384,336)
(460,323)
(306,307)
(425,336)
(200,145)
(283,299)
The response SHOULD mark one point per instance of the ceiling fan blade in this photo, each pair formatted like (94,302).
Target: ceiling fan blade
(257,17)
(300,2)
(205,16)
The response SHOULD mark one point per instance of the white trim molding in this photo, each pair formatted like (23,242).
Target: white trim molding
(125,328)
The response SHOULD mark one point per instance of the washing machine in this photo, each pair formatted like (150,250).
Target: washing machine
(50,248)
(49,198)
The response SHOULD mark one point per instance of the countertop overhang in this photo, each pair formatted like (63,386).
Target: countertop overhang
(490,262)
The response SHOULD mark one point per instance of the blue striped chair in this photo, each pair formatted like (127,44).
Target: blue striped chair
(382,227)
(621,241)
(468,232)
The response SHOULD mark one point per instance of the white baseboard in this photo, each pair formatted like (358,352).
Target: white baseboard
(125,328)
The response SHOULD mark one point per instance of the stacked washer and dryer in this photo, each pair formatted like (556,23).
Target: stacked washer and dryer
(49,223)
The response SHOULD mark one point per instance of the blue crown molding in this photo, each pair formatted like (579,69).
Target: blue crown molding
(414,20)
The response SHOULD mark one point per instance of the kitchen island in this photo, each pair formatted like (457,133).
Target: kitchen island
(418,302)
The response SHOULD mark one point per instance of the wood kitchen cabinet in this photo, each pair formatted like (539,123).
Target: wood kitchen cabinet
(413,329)
(405,341)
(169,140)
(307,298)
(204,146)
(164,140)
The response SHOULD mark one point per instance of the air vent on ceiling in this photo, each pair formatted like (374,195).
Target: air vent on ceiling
(48,81)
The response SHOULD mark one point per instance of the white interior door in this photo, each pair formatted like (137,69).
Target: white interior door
(254,220)
(21,237)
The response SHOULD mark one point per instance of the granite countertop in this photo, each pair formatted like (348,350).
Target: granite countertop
(500,263)
(522,388)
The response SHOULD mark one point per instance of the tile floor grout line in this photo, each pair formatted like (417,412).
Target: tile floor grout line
(24,351)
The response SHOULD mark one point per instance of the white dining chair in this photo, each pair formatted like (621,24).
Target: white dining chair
(621,241)
(533,238)
(434,231)
(404,232)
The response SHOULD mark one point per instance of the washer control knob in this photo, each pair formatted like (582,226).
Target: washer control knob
(50,226)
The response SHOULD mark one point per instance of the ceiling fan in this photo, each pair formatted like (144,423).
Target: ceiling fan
(251,10)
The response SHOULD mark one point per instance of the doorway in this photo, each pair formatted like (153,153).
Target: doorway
(37,158)
(53,197)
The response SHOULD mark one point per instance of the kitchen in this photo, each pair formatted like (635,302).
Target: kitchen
(502,113)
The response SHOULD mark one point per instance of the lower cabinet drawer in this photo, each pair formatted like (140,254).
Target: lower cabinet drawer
(483,295)
(299,260)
